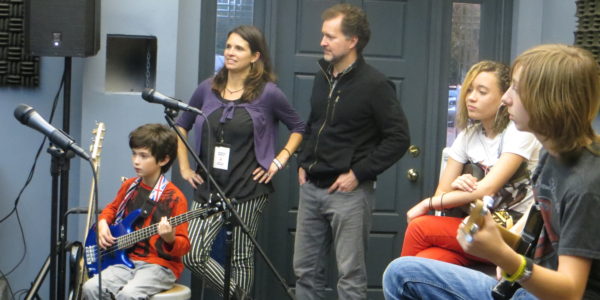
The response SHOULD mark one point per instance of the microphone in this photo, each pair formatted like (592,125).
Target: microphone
(28,116)
(153,96)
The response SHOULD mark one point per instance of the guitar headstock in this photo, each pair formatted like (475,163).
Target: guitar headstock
(97,140)
(479,209)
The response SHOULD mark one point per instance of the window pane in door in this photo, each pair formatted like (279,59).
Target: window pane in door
(464,52)
(230,14)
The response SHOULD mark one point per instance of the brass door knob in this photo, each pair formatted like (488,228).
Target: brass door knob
(414,150)
(412,175)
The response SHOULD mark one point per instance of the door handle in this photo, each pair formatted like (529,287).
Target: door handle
(414,150)
(412,175)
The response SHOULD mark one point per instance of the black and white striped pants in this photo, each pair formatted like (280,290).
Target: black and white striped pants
(202,234)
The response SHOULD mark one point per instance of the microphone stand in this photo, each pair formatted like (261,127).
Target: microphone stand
(39,279)
(64,187)
(230,214)
(59,168)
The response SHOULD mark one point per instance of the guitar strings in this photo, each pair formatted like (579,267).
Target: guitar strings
(136,235)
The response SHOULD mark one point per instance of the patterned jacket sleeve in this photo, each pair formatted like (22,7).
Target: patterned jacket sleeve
(109,213)
(182,243)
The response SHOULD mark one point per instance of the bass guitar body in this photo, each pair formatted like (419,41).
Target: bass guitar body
(113,254)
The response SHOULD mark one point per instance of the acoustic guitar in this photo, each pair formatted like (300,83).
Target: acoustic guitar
(523,244)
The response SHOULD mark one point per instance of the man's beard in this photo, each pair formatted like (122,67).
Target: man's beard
(332,59)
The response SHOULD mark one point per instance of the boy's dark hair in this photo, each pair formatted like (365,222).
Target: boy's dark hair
(354,23)
(159,139)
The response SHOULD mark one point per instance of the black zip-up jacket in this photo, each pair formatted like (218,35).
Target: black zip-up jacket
(357,124)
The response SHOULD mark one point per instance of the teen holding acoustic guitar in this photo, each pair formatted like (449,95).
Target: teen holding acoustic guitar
(555,94)
(489,157)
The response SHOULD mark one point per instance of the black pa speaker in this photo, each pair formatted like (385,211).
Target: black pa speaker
(62,27)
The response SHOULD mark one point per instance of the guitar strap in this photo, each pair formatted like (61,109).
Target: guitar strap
(157,191)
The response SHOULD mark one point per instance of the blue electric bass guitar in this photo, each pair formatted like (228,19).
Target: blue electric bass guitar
(127,237)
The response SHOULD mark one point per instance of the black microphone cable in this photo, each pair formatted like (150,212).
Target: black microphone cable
(39,151)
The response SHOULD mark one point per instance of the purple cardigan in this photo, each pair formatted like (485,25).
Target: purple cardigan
(265,112)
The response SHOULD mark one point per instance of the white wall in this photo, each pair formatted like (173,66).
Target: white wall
(541,22)
(123,112)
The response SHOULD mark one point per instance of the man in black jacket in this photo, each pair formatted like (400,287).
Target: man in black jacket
(356,130)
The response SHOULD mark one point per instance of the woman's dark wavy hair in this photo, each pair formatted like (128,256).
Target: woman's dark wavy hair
(260,71)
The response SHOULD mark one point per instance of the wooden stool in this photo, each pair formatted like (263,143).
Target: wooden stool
(177,292)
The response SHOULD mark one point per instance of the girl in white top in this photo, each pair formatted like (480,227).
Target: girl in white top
(488,142)
(473,146)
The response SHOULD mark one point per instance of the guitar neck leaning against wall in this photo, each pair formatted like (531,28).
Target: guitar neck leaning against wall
(80,276)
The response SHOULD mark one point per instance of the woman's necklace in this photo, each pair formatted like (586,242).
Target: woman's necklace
(233,92)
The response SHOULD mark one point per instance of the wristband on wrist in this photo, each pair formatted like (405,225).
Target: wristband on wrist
(518,275)
(277,163)
(527,272)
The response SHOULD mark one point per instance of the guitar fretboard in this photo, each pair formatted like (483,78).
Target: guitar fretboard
(128,240)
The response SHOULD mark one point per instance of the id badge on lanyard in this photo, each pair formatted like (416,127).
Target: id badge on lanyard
(221,159)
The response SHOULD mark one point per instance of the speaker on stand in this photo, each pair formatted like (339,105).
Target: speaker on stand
(69,28)
(66,28)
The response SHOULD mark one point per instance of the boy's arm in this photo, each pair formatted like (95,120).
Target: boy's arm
(568,282)
(109,213)
(166,231)
(180,245)
(105,237)
(107,217)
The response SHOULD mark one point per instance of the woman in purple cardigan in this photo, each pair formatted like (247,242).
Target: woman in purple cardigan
(243,108)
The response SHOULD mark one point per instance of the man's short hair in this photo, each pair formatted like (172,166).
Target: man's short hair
(159,139)
(354,23)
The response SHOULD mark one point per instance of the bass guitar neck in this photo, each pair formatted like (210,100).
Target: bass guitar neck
(98,259)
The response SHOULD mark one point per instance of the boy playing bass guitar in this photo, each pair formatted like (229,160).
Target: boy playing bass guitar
(157,259)
(555,94)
